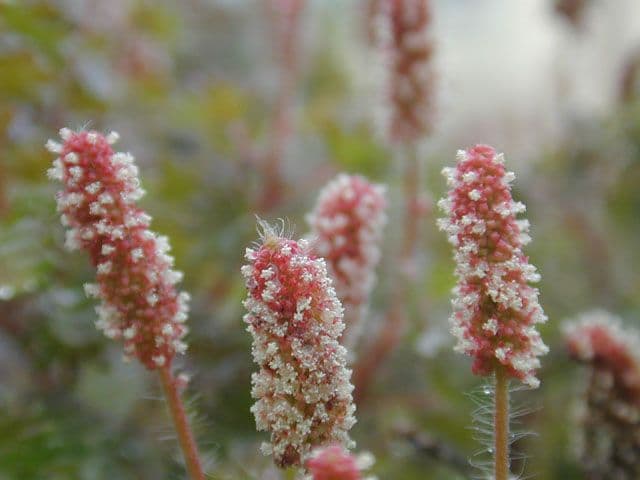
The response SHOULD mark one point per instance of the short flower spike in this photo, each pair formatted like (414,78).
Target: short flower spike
(495,310)
(135,279)
(303,387)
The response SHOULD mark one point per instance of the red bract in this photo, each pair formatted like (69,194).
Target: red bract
(408,50)
(135,281)
(303,387)
(346,229)
(495,309)
(335,463)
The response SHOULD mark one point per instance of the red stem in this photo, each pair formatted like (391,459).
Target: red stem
(181,423)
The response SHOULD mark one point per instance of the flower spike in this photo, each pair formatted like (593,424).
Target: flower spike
(135,279)
(408,50)
(495,310)
(345,229)
(608,416)
(302,388)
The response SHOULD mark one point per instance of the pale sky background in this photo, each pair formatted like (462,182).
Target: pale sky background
(512,73)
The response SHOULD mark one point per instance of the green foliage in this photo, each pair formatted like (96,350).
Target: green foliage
(152,71)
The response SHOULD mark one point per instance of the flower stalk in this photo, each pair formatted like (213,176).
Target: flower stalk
(181,423)
(495,309)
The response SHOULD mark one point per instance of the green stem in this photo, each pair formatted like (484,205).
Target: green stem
(501,426)
(181,423)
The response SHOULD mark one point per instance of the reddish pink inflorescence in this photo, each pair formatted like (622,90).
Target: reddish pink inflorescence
(346,229)
(599,339)
(608,411)
(303,387)
(336,463)
(135,279)
(495,309)
(406,44)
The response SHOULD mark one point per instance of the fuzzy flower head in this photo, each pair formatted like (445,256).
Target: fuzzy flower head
(303,387)
(495,309)
(346,229)
(408,50)
(135,282)
(335,463)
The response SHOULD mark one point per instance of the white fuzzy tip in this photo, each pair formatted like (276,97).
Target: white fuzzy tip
(65,133)
(53,147)
(112,137)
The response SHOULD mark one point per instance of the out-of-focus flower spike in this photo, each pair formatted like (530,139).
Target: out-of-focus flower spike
(346,229)
(135,281)
(335,463)
(495,309)
(405,43)
(609,412)
(302,389)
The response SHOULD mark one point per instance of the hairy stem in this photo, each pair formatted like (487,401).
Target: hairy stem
(501,426)
(181,423)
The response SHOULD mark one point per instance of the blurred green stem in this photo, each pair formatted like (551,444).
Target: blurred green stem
(501,426)
(181,423)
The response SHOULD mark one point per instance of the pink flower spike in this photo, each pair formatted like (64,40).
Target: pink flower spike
(495,309)
(408,50)
(135,279)
(335,463)
(608,411)
(303,387)
(598,338)
(346,229)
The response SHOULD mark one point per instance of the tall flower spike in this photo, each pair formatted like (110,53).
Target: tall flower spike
(495,309)
(609,414)
(346,229)
(135,279)
(303,388)
(408,50)
(335,463)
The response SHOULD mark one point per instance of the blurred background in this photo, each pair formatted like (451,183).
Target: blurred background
(209,95)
